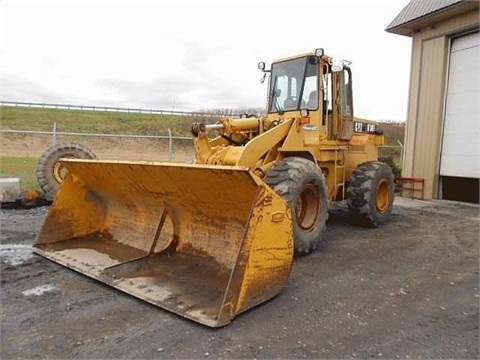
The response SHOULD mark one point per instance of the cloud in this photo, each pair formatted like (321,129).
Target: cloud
(191,55)
(17,88)
(182,91)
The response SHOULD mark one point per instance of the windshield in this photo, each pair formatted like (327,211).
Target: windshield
(293,85)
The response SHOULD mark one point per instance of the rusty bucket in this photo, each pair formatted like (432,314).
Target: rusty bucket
(205,242)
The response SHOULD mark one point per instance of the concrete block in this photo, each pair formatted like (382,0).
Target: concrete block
(10,189)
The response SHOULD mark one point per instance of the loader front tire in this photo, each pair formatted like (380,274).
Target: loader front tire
(370,194)
(50,173)
(301,183)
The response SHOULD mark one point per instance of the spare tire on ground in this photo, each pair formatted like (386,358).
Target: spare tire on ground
(50,173)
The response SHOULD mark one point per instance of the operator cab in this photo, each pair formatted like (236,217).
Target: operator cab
(304,82)
(294,85)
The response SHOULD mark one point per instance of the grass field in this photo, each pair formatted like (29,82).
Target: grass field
(22,167)
(87,121)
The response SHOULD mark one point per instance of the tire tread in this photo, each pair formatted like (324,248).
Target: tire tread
(285,178)
(47,162)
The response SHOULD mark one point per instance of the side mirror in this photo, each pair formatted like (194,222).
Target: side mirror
(261,67)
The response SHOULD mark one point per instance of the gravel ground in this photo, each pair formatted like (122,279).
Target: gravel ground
(407,290)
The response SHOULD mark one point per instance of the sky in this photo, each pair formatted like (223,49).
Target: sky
(195,55)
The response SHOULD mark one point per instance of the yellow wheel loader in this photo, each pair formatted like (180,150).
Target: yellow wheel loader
(212,239)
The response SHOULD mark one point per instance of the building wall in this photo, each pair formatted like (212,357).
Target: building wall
(428,76)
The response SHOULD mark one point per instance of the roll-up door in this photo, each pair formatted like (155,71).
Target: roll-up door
(460,155)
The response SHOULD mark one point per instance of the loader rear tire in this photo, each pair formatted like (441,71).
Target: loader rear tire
(301,183)
(50,173)
(370,194)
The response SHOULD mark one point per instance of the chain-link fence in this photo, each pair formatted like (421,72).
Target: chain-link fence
(105,146)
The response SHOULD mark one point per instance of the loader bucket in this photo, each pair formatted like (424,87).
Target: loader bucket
(205,242)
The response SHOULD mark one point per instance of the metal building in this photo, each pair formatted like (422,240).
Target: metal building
(442,140)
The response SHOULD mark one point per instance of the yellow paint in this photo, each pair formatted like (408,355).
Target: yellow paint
(110,215)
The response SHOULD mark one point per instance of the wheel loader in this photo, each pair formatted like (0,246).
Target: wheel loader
(212,239)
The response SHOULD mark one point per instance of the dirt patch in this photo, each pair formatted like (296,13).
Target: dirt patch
(406,290)
(105,148)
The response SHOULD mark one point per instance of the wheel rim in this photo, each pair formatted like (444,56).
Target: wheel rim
(307,207)
(383,195)
(59,172)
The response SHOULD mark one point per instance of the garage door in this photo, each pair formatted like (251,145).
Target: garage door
(461,140)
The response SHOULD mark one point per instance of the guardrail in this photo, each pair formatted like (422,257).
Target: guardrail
(110,108)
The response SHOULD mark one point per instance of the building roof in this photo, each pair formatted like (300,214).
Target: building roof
(420,13)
